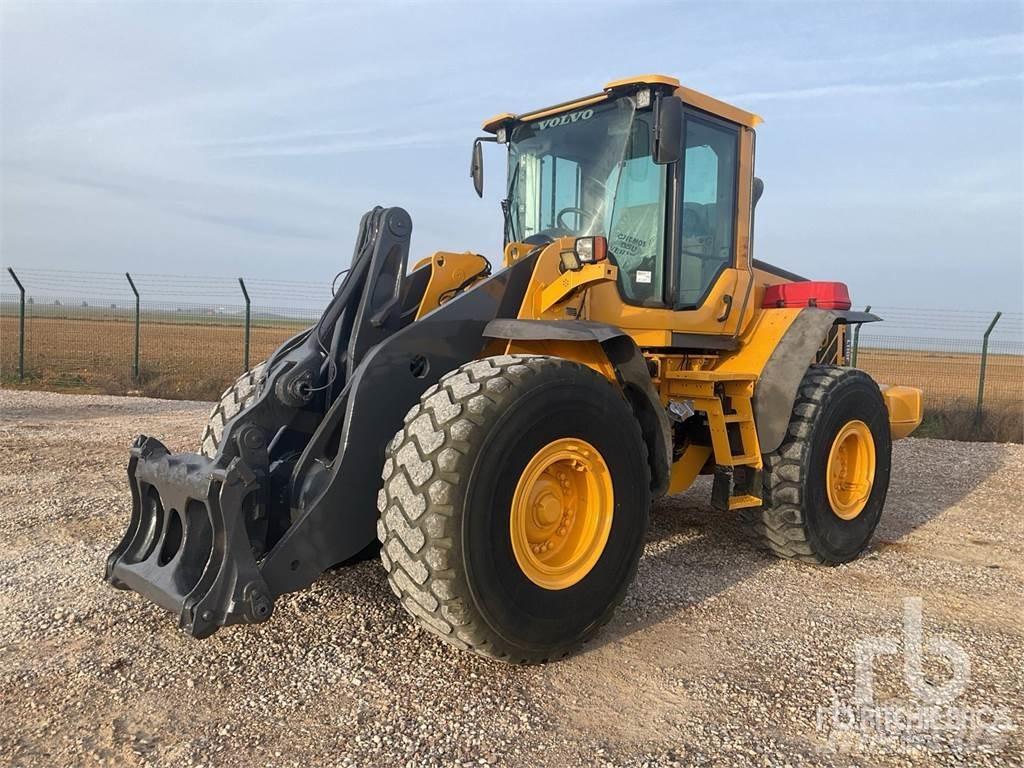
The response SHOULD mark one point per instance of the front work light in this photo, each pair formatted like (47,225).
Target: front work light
(570,261)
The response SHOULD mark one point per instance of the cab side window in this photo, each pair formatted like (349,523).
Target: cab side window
(709,202)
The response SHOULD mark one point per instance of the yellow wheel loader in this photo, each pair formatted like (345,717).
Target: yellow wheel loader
(500,433)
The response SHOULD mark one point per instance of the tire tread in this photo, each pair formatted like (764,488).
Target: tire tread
(424,465)
(779,526)
(235,399)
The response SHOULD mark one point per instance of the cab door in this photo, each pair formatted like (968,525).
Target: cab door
(705,237)
(703,283)
(707,260)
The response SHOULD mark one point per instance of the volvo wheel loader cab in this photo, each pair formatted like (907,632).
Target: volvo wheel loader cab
(502,431)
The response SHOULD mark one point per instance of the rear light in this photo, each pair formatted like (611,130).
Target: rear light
(807,293)
(590,250)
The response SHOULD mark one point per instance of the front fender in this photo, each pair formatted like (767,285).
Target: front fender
(630,371)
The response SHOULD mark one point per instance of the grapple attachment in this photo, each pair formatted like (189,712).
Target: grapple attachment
(187,548)
(292,488)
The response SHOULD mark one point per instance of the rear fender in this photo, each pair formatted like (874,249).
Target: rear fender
(779,380)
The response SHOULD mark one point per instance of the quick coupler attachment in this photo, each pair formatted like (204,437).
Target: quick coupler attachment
(187,547)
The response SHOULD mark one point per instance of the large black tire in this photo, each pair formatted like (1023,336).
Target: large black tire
(449,479)
(235,399)
(797,520)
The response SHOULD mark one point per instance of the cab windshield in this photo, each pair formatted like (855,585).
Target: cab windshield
(590,172)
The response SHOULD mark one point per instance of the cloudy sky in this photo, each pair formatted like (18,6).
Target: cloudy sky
(247,138)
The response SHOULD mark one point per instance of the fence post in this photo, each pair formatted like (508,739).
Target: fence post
(135,356)
(21,325)
(856,340)
(981,372)
(248,317)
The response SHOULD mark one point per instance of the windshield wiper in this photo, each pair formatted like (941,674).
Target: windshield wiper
(506,207)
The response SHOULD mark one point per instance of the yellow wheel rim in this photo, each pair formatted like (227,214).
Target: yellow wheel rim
(851,470)
(561,513)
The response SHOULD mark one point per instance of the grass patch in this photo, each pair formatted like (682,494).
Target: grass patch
(957,421)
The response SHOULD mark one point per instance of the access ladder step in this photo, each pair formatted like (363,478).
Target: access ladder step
(745,501)
(736,488)
(746,460)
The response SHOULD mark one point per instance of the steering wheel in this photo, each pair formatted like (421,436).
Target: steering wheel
(585,218)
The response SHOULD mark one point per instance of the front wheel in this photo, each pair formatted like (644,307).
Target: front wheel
(825,486)
(514,506)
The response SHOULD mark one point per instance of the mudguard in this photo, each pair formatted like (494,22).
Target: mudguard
(630,368)
(780,379)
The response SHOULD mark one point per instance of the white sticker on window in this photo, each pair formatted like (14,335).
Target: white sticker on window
(643,276)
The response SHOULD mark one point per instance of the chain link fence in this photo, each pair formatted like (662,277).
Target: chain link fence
(952,355)
(189,337)
(969,364)
(159,335)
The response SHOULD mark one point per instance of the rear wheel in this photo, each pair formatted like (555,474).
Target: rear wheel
(235,399)
(825,486)
(514,506)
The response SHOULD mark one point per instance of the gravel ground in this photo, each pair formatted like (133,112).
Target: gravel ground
(721,655)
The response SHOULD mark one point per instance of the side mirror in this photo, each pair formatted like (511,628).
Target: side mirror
(476,168)
(668,130)
(757,191)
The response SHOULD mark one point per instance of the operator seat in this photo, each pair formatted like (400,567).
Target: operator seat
(634,241)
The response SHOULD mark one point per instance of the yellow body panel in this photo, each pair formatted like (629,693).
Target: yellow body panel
(642,80)
(758,342)
(546,273)
(719,384)
(688,96)
(569,282)
(689,465)
(492,123)
(906,409)
(716,107)
(586,101)
(447,272)
(656,324)
(588,353)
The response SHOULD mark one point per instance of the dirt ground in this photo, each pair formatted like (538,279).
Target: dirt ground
(721,655)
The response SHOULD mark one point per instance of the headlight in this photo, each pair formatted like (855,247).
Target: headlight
(590,250)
